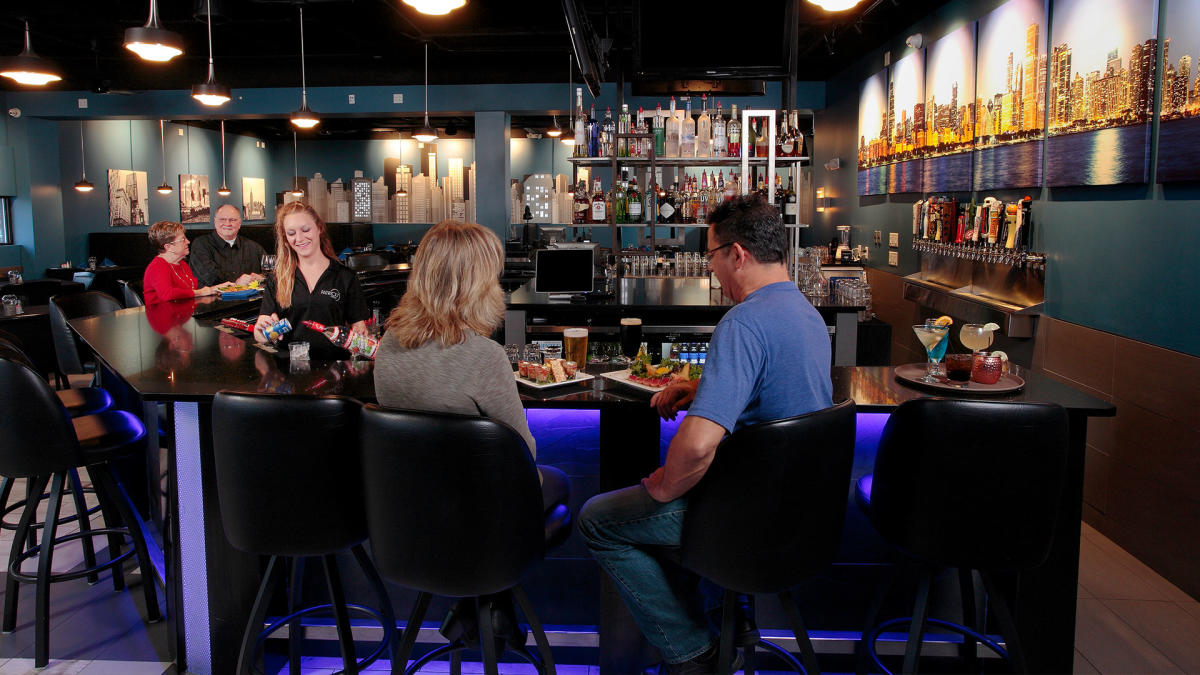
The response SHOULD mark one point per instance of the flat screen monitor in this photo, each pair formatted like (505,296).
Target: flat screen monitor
(563,271)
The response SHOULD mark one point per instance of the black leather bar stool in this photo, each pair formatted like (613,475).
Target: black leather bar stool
(42,445)
(769,514)
(131,292)
(972,485)
(454,508)
(72,355)
(288,481)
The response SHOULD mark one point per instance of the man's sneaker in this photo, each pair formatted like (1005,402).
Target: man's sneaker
(704,664)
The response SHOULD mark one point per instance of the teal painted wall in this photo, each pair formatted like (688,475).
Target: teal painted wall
(1120,259)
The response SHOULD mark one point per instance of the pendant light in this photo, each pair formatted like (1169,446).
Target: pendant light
(296,191)
(835,5)
(304,118)
(426,134)
(165,188)
(152,42)
(210,93)
(569,139)
(27,67)
(435,7)
(84,185)
(224,190)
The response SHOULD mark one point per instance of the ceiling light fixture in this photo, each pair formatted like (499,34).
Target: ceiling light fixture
(569,139)
(835,5)
(165,188)
(152,42)
(304,117)
(84,185)
(554,131)
(296,191)
(435,7)
(27,67)
(224,190)
(210,93)
(426,134)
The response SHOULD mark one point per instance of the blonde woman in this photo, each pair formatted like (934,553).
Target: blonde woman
(437,355)
(168,277)
(309,283)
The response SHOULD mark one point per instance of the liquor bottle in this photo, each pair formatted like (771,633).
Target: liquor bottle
(720,139)
(582,205)
(702,200)
(599,208)
(687,135)
(789,204)
(619,197)
(704,130)
(762,140)
(340,336)
(623,128)
(797,135)
(608,134)
(634,202)
(666,207)
(660,132)
(593,133)
(786,140)
(639,148)
(673,130)
(735,133)
(580,125)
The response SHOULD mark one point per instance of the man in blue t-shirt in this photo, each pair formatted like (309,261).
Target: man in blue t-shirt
(768,359)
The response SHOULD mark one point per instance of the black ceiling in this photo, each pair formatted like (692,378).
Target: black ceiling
(380,42)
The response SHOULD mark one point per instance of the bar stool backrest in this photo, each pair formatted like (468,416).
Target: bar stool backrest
(454,505)
(131,290)
(971,484)
(63,308)
(37,436)
(770,510)
(288,472)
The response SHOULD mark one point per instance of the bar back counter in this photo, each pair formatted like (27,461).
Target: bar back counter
(602,434)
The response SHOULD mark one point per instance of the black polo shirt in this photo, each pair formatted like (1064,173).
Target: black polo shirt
(214,261)
(336,300)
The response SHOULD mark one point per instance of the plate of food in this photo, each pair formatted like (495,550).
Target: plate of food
(644,375)
(239,291)
(552,373)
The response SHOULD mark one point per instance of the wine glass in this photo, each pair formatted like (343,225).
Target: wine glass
(933,338)
(268,263)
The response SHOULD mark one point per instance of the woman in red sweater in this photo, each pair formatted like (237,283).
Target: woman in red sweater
(167,277)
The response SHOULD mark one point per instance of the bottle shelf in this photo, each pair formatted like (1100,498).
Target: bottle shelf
(682,161)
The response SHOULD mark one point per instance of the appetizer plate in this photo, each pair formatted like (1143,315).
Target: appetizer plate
(580,376)
(240,295)
(622,376)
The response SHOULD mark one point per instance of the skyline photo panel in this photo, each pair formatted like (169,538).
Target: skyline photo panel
(872,135)
(905,102)
(1101,91)
(1179,126)
(946,122)
(1010,99)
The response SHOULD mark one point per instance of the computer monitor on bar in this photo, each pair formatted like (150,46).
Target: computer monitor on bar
(564,270)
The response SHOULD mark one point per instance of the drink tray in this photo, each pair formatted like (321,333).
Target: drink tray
(911,374)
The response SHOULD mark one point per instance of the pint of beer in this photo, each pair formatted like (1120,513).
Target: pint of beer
(631,336)
(575,345)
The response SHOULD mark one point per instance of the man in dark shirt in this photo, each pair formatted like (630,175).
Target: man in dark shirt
(223,256)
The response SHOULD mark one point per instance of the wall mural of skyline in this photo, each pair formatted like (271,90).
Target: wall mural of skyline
(1179,130)
(905,102)
(873,154)
(948,116)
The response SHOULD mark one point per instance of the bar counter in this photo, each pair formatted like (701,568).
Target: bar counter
(168,354)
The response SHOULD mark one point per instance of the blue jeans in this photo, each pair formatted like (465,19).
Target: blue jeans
(622,528)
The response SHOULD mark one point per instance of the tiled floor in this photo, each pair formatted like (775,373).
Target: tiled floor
(1130,620)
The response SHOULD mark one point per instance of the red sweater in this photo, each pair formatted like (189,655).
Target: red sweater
(164,281)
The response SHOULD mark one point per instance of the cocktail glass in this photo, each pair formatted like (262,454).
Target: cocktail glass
(975,336)
(934,340)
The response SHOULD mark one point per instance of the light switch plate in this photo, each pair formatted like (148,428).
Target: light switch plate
(894,258)
(893,239)
(82,103)
(350,99)
(397,98)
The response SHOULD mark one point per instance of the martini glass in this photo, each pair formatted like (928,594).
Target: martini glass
(933,338)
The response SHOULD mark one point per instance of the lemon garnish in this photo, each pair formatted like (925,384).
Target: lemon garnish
(1001,354)
(943,321)
(991,326)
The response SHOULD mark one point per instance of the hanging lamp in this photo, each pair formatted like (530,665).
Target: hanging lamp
(29,68)
(224,190)
(152,42)
(569,139)
(84,185)
(835,5)
(426,134)
(435,7)
(165,188)
(296,191)
(210,93)
(304,117)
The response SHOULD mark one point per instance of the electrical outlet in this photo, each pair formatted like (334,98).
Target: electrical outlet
(350,99)
(878,237)
(397,98)
(82,103)
(894,258)
(893,239)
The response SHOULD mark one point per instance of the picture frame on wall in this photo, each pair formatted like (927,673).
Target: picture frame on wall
(193,198)
(254,201)
(1101,91)
(873,147)
(1179,125)
(127,198)
(948,129)
(906,104)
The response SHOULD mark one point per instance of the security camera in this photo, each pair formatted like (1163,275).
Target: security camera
(915,40)
(14,112)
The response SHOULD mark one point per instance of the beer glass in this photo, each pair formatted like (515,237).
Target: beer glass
(631,336)
(575,344)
